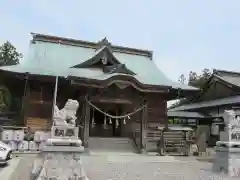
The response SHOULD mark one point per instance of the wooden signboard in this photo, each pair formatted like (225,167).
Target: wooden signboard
(37,124)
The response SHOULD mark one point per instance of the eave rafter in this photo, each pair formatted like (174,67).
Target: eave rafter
(121,82)
(118,68)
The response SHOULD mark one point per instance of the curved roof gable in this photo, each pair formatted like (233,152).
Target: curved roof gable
(98,56)
(47,53)
(104,58)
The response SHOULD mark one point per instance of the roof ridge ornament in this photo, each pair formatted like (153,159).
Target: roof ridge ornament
(102,43)
(104,58)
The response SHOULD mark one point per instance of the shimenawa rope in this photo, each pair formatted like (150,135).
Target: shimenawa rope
(111,116)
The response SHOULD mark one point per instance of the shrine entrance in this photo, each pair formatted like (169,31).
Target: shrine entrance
(103,122)
(108,123)
(108,128)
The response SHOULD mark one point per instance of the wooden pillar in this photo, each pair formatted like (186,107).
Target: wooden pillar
(142,130)
(144,126)
(86,123)
(25,101)
(81,115)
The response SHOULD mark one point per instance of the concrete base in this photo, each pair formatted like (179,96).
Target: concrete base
(63,141)
(79,149)
(227,160)
(62,165)
(59,161)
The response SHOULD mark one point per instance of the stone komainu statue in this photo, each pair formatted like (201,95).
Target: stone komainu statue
(67,115)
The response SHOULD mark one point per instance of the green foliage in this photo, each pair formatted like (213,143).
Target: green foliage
(196,80)
(182,79)
(5,98)
(9,54)
(199,80)
(170,121)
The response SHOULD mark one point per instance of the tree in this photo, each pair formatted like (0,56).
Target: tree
(199,80)
(182,79)
(5,98)
(9,54)
(194,80)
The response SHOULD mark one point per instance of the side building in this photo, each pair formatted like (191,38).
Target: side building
(120,90)
(221,92)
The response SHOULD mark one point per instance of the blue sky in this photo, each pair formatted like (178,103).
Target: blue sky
(184,34)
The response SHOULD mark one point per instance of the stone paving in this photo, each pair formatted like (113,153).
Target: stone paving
(123,167)
(100,168)
(6,171)
(22,172)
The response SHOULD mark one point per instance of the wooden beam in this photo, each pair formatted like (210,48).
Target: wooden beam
(111,100)
(86,123)
(106,83)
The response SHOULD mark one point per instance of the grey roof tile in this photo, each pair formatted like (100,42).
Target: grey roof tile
(212,103)
(185,114)
(228,76)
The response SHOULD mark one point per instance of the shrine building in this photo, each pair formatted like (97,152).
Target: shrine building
(121,92)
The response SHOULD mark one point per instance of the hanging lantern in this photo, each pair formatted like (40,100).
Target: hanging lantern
(124,121)
(105,122)
(110,120)
(215,129)
(117,123)
(41,95)
(93,120)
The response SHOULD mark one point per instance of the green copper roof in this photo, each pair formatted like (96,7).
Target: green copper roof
(46,58)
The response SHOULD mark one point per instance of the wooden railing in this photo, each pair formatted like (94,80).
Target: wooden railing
(136,137)
(171,141)
(152,139)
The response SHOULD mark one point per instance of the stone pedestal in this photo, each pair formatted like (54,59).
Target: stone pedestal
(62,166)
(227,158)
(62,159)
(61,154)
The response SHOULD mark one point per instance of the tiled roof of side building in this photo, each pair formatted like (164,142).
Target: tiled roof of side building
(51,58)
(186,114)
(211,103)
(230,77)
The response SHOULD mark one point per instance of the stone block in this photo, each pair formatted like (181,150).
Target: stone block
(227,158)
(7,135)
(64,131)
(18,135)
(23,146)
(32,146)
(62,165)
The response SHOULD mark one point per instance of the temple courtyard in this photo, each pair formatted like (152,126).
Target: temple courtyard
(124,166)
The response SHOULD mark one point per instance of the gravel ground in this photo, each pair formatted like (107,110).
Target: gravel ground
(120,167)
(99,168)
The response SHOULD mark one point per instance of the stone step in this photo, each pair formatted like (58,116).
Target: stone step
(111,144)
